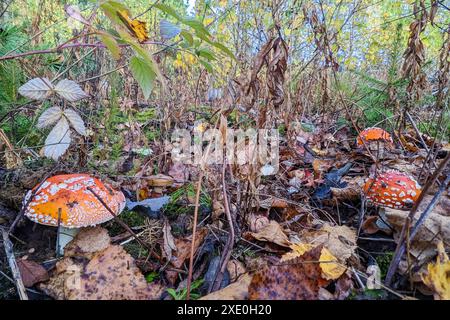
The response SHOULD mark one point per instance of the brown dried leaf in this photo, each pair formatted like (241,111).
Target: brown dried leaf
(340,240)
(272,232)
(257,222)
(31,272)
(168,241)
(235,269)
(235,291)
(298,279)
(184,247)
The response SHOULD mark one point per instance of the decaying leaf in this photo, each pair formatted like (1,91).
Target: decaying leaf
(298,249)
(184,247)
(272,232)
(297,279)
(339,240)
(235,291)
(351,192)
(257,222)
(332,269)
(168,244)
(235,269)
(438,275)
(31,272)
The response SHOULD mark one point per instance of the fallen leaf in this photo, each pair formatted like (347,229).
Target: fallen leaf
(31,272)
(235,291)
(331,268)
(340,240)
(351,192)
(184,247)
(438,275)
(159,180)
(168,241)
(272,232)
(298,249)
(257,222)
(235,269)
(179,172)
(297,279)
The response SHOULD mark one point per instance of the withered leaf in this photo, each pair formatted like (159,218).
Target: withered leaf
(298,279)
(272,232)
(235,291)
(31,272)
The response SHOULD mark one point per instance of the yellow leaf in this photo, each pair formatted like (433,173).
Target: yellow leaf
(330,270)
(438,275)
(136,27)
(298,249)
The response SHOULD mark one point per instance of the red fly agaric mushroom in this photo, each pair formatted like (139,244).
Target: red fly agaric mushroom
(392,189)
(374,134)
(65,200)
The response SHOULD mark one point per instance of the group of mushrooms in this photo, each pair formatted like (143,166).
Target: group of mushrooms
(73,201)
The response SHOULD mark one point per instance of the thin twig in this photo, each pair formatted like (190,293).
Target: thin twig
(194,231)
(13,265)
(119,221)
(230,240)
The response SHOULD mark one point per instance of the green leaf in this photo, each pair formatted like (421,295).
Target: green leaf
(205,53)
(168,10)
(143,73)
(173,293)
(187,36)
(111,43)
(224,49)
(110,9)
(151,276)
(207,65)
(197,26)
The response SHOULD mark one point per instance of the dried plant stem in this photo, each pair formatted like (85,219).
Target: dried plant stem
(230,240)
(13,265)
(194,231)
(399,251)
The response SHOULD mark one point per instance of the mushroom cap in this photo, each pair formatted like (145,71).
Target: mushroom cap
(392,189)
(79,206)
(373,134)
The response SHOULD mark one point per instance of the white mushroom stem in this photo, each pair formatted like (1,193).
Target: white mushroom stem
(65,235)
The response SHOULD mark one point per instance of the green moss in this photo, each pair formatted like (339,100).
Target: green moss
(130,218)
(383,262)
